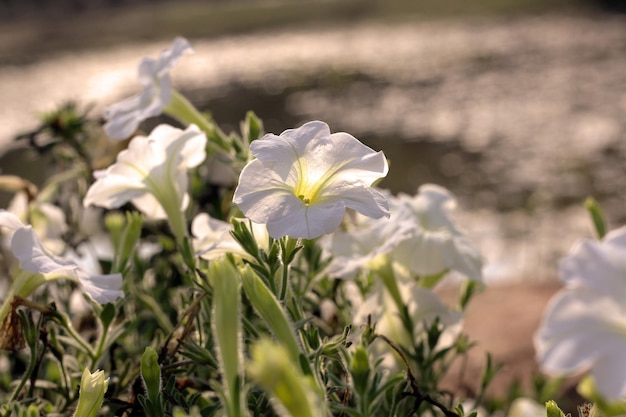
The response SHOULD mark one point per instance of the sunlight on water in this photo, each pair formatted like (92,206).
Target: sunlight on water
(523,115)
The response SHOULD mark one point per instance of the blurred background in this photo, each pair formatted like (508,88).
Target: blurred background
(517,106)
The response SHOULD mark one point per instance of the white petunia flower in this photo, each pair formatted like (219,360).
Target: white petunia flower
(418,238)
(212,237)
(37,266)
(356,249)
(302,182)
(584,326)
(436,245)
(152,174)
(124,117)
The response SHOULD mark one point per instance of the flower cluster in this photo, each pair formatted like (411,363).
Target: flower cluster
(303,289)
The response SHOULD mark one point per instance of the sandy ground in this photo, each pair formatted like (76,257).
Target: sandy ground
(502,320)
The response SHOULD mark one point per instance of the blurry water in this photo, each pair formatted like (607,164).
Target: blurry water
(520,118)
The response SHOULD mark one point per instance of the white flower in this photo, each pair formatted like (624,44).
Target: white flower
(302,182)
(212,237)
(584,326)
(435,245)
(356,249)
(418,238)
(42,267)
(526,407)
(47,220)
(424,307)
(124,117)
(152,174)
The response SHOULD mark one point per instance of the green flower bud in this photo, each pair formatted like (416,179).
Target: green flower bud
(553,410)
(273,370)
(151,374)
(268,307)
(227,330)
(360,369)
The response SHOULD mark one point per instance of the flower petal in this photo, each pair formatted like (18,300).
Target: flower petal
(33,258)
(124,117)
(578,328)
(113,191)
(358,196)
(10,220)
(307,222)
(590,260)
(101,288)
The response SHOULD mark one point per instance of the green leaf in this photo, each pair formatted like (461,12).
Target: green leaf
(597,217)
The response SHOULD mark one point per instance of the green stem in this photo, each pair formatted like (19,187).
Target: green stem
(64,320)
(31,367)
(385,271)
(182,109)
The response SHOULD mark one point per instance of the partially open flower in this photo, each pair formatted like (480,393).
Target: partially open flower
(124,117)
(93,386)
(152,174)
(302,182)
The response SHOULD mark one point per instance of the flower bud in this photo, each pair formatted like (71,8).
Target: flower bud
(92,389)
(273,370)
(360,369)
(151,374)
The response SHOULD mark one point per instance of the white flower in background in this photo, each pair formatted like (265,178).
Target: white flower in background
(436,245)
(47,220)
(37,266)
(302,182)
(424,307)
(124,117)
(584,326)
(418,238)
(355,249)
(526,407)
(152,174)
(212,237)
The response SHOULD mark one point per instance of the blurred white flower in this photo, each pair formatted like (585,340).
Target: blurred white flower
(355,249)
(124,117)
(37,267)
(526,407)
(212,237)
(424,307)
(419,238)
(584,325)
(436,245)
(152,174)
(302,182)
(47,220)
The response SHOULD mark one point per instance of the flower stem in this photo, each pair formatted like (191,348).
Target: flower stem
(182,109)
